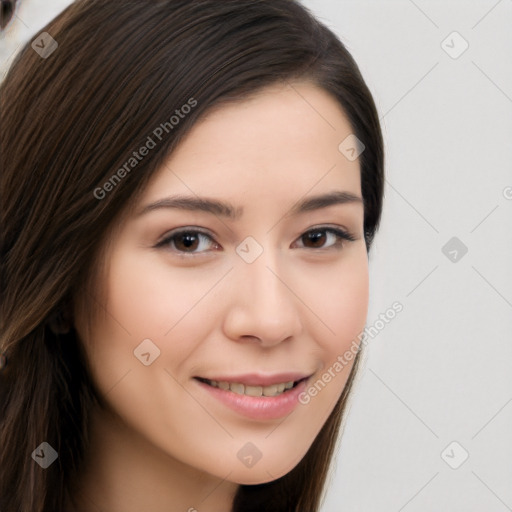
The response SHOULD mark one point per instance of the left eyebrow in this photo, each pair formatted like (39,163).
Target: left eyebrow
(324,201)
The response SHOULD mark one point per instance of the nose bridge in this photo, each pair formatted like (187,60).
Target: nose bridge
(268,309)
(266,288)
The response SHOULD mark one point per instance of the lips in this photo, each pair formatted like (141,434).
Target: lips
(259,397)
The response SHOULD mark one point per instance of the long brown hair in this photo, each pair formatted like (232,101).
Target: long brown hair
(70,119)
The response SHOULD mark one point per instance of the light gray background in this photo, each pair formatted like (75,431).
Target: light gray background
(440,371)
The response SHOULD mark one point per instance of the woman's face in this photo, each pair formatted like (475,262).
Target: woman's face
(232,277)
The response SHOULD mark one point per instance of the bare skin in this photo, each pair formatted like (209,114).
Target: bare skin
(170,445)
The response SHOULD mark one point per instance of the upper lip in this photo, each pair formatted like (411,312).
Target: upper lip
(258,379)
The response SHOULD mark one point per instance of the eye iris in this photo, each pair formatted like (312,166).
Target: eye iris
(317,237)
(187,241)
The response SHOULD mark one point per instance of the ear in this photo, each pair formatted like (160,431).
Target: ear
(60,321)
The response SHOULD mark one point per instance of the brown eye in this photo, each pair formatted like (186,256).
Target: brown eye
(315,238)
(325,238)
(188,242)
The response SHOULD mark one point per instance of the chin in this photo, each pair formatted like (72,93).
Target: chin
(255,478)
(261,475)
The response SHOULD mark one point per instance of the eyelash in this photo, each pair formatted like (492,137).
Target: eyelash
(342,236)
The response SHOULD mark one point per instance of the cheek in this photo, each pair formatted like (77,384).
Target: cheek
(151,299)
(339,297)
(145,299)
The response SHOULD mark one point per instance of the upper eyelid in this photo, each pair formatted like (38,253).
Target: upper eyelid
(186,229)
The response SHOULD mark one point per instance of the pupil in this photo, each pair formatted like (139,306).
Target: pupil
(317,237)
(189,240)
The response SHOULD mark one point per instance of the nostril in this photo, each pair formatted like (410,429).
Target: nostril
(6,12)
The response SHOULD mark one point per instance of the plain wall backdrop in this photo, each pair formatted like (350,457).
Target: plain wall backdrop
(431,421)
(431,417)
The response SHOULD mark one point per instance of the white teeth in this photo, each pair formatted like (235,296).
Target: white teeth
(270,390)
(241,389)
(253,390)
(237,388)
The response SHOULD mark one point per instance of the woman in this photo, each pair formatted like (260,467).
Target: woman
(190,191)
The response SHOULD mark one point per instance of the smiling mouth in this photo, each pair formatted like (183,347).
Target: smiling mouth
(255,391)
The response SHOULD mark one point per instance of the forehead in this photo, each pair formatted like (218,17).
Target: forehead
(282,141)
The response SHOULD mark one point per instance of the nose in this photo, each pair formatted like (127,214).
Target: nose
(262,305)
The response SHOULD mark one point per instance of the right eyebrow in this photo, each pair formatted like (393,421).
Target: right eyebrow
(192,203)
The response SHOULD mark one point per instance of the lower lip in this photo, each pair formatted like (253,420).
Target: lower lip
(258,408)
